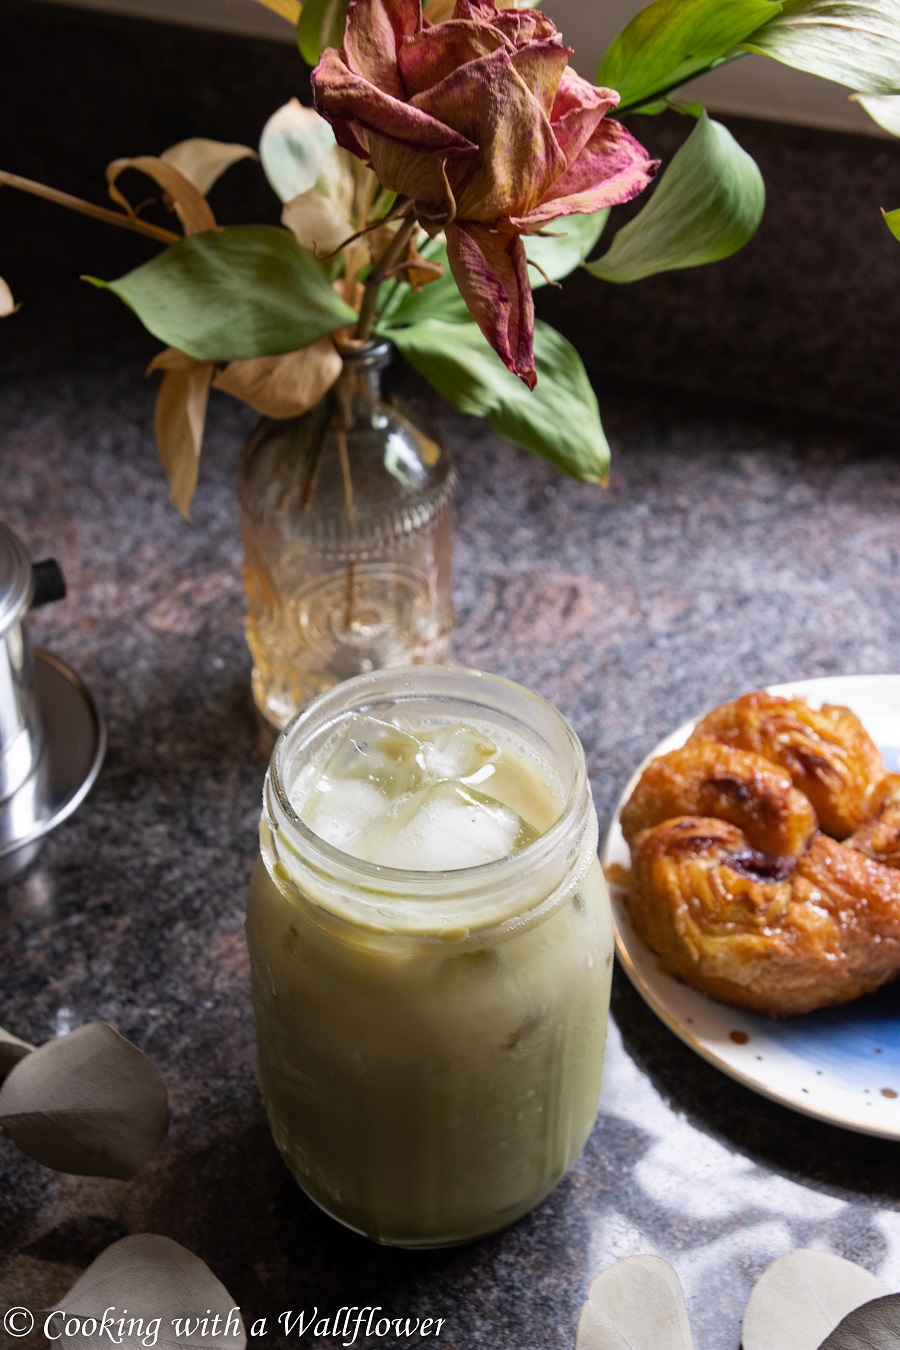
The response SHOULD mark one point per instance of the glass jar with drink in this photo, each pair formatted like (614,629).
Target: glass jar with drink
(432,948)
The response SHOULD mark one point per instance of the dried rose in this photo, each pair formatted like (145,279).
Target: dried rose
(482,125)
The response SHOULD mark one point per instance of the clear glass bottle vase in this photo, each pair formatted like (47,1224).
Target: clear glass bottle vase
(347,522)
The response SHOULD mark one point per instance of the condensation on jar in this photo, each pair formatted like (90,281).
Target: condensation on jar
(431,1043)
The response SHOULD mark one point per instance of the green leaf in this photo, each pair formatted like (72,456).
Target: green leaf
(709,202)
(892,220)
(232,294)
(853,42)
(438,300)
(670,41)
(321,25)
(875,1324)
(883,109)
(559,421)
(560,256)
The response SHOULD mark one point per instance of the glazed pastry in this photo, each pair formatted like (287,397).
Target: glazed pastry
(704,778)
(830,756)
(879,836)
(779,935)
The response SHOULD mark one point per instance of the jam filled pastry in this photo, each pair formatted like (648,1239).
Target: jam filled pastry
(830,756)
(779,935)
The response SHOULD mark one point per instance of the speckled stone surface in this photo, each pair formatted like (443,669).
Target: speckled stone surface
(735,547)
(732,549)
(805,316)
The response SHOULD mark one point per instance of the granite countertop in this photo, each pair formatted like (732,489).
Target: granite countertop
(735,547)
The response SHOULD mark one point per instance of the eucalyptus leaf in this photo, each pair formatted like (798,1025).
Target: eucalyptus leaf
(801,1297)
(883,109)
(321,25)
(159,1282)
(637,1304)
(708,204)
(852,42)
(874,1326)
(12,1049)
(670,41)
(296,148)
(559,420)
(892,220)
(560,255)
(89,1103)
(232,294)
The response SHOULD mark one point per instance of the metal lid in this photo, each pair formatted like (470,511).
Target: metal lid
(15,580)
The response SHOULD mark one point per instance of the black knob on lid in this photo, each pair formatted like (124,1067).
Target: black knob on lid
(49,583)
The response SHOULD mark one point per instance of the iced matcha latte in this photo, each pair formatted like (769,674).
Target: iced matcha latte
(432,950)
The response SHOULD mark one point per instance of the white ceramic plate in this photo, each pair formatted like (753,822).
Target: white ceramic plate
(840,1065)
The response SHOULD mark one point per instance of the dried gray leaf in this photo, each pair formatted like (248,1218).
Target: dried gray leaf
(637,1304)
(89,1103)
(802,1297)
(874,1326)
(176,1296)
(12,1049)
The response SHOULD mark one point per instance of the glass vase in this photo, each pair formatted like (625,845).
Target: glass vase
(347,522)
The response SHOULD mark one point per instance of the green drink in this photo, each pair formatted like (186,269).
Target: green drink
(432,951)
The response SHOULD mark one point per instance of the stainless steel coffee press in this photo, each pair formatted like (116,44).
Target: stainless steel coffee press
(52,737)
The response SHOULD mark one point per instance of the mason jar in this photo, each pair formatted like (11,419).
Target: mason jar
(430,1042)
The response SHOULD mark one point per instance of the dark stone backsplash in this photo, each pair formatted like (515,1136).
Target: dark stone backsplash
(807,315)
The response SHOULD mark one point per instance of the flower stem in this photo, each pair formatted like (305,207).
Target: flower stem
(380,272)
(88,208)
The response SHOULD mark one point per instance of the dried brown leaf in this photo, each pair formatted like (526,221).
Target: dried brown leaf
(283,386)
(173,359)
(190,206)
(202,161)
(7,303)
(179,420)
(169,1288)
(11,1051)
(316,222)
(89,1103)
(287,9)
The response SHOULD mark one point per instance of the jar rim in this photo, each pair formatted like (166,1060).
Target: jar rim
(358,693)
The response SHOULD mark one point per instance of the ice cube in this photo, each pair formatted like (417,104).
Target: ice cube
(459,753)
(446,827)
(376,752)
(346,812)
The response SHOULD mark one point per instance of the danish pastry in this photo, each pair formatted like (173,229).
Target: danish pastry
(739,880)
